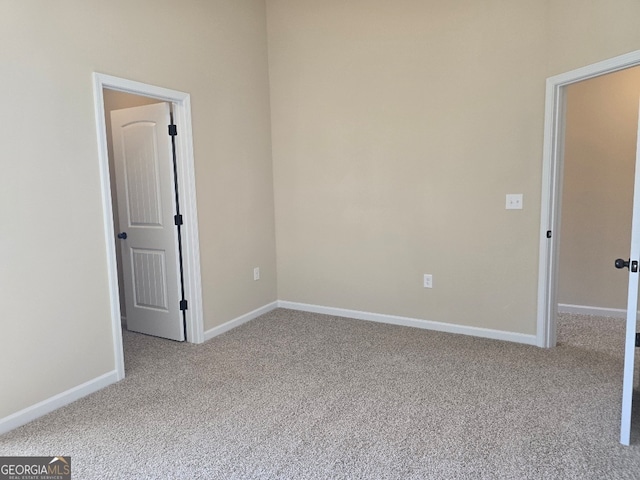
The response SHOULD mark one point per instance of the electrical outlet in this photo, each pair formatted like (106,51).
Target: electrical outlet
(428,280)
(256,273)
(514,201)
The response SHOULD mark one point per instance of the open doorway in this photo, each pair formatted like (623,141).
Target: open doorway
(597,193)
(180,103)
(557,137)
(552,179)
(147,218)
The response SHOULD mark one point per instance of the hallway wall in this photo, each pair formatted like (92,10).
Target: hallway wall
(597,199)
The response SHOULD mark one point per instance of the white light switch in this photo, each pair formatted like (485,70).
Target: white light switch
(514,201)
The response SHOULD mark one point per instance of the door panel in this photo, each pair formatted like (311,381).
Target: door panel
(145,197)
(632,307)
(141,174)
(149,274)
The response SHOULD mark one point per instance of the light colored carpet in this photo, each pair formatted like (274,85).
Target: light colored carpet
(295,395)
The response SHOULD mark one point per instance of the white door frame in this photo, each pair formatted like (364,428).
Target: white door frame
(187,190)
(552,167)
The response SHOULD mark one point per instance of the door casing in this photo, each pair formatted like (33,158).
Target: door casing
(186,183)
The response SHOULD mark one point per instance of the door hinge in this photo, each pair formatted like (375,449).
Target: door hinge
(183,305)
(637,339)
(177,219)
(548,233)
(173,130)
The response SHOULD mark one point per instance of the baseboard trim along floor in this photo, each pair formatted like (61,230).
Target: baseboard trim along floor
(29,414)
(588,310)
(236,322)
(413,322)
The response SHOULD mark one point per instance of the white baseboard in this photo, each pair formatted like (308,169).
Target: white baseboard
(413,322)
(587,310)
(236,322)
(29,414)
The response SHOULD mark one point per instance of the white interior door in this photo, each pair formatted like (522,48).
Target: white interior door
(146,209)
(632,306)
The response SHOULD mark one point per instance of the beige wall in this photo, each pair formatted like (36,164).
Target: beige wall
(579,33)
(56,321)
(398,128)
(599,165)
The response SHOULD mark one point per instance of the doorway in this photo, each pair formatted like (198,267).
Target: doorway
(552,179)
(181,107)
(597,193)
(556,139)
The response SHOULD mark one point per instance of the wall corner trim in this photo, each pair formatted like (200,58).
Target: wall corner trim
(413,322)
(44,407)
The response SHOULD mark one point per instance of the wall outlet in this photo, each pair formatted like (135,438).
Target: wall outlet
(428,280)
(256,273)
(514,201)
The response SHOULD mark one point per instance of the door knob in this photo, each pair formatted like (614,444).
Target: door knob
(123,236)
(620,263)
